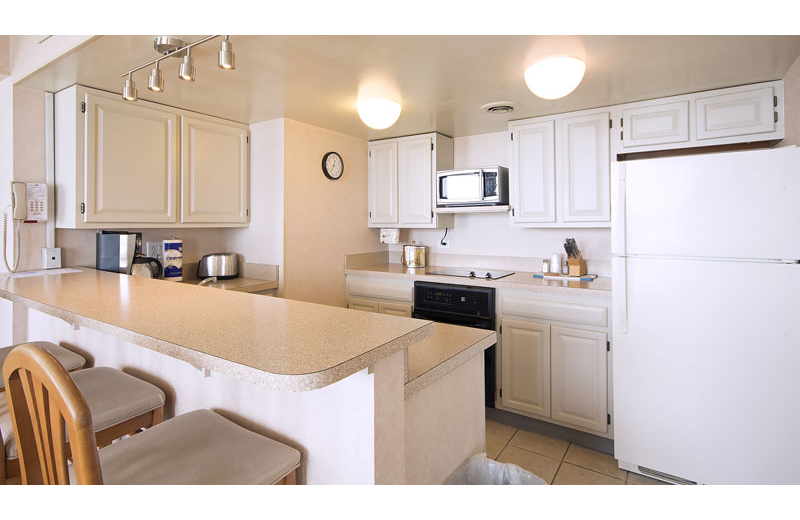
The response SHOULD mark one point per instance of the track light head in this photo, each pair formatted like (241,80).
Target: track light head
(129,90)
(227,59)
(156,81)
(186,72)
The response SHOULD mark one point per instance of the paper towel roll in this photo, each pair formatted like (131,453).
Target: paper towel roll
(173,259)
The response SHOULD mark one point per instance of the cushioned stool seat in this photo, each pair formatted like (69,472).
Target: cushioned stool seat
(112,395)
(199,447)
(69,359)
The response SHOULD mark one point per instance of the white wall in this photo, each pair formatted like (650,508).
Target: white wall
(491,233)
(262,242)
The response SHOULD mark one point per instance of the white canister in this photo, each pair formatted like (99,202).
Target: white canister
(555,263)
(173,259)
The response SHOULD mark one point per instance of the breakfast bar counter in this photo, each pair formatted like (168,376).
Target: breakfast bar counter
(366,398)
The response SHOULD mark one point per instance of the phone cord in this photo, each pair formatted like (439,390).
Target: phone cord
(15,262)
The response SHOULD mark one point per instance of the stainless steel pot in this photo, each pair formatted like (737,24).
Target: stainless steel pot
(413,255)
(221,265)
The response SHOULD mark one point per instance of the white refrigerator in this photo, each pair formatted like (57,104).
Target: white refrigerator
(706,305)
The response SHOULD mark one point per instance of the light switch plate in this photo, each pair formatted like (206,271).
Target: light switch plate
(51,258)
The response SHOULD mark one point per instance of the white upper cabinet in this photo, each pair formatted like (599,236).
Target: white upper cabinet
(214,172)
(131,163)
(742,114)
(559,174)
(739,113)
(402,177)
(414,180)
(584,169)
(578,374)
(382,180)
(533,172)
(145,165)
(657,124)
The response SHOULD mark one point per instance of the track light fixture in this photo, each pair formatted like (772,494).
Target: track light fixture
(129,90)
(186,72)
(171,47)
(227,59)
(156,81)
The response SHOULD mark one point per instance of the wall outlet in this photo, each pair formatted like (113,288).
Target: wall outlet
(154,250)
(51,257)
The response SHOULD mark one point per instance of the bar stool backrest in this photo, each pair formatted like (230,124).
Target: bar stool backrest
(45,404)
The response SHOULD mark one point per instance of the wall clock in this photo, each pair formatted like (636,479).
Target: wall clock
(332,165)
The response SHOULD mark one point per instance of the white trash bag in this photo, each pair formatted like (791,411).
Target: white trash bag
(478,470)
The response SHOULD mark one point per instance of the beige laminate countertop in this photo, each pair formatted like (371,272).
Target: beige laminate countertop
(272,342)
(598,289)
(448,348)
(248,285)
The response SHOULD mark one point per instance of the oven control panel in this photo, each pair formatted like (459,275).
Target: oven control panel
(452,298)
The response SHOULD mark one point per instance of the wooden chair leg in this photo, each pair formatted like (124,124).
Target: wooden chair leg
(288,480)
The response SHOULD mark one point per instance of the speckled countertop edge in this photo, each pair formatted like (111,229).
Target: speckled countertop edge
(291,382)
(248,285)
(434,374)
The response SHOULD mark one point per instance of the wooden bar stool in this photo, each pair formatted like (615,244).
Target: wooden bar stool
(69,359)
(121,404)
(199,447)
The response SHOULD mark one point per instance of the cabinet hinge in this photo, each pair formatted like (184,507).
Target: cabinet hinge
(247,139)
(369,153)
(431,213)
(608,346)
(370,214)
(775,101)
(620,135)
(83,208)
(247,212)
(610,123)
(431,146)
(776,117)
(512,212)
(608,418)
(501,392)
(501,329)
(512,136)
(621,122)
(83,107)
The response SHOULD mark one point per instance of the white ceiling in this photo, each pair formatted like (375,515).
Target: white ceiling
(442,80)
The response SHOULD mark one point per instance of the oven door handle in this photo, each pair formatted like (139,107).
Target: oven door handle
(467,321)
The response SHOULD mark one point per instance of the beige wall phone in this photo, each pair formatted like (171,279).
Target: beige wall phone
(28,204)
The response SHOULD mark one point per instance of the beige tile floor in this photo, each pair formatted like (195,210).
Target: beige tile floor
(554,460)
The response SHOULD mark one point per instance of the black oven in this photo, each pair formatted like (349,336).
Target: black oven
(463,305)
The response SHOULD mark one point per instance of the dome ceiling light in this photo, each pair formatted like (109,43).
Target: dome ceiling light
(555,77)
(172,47)
(378,113)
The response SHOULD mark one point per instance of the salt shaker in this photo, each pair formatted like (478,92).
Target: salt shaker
(545,266)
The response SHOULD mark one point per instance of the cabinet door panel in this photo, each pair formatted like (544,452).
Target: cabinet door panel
(740,113)
(214,172)
(584,169)
(526,366)
(579,377)
(659,124)
(382,181)
(533,188)
(415,180)
(131,171)
(395,309)
(362,305)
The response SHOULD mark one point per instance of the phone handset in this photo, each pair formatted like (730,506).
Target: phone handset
(18,213)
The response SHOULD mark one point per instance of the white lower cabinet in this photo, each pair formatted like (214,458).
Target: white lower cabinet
(526,366)
(554,372)
(370,294)
(578,375)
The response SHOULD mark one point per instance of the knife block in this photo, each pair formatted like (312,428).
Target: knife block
(577,266)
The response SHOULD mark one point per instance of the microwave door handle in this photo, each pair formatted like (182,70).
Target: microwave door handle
(482,195)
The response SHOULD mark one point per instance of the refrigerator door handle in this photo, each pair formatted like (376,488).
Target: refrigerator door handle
(618,228)
(620,285)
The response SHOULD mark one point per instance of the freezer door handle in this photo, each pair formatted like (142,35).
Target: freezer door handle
(619,279)
(618,226)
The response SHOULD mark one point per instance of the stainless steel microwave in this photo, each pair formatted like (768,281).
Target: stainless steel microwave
(477,187)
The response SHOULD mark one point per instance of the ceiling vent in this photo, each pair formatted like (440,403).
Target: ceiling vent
(499,107)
